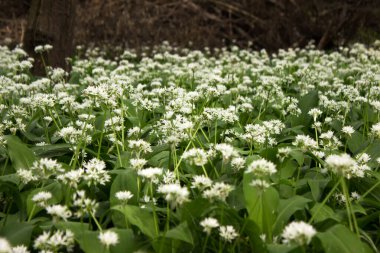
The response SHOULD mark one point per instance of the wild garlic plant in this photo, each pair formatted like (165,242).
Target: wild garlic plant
(179,150)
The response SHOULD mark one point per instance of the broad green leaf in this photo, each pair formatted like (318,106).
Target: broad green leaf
(17,233)
(269,154)
(356,142)
(21,156)
(306,103)
(324,212)
(286,208)
(123,160)
(298,156)
(140,217)
(124,181)
(160,160)
(89,242)
(78,228)
(127,242)
(52,150)
(340,239)
(54,188)
(287,169)
(315,188)
(181,232)
(253,232)
(261,205)
(282,248)
(12,178)
(193,209)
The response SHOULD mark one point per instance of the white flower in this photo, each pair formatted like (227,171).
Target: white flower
(201,182)
(349,130)
(95,173)
(137,164)
(42,197)
(375,130)
(72,177)
(150,173)
(5,246)
(298,232)
(342,164)
(315,112)
(84,205)
(227,151)
(195,156)
(108,238)
(260,183)
(53,241)
(26,176)
(208,224)
(238,163)
(218,191)
(228,233)
(174,193)
(124,196)
(305,142)
(20,249)
(261,168)
(59,211)
(140,146)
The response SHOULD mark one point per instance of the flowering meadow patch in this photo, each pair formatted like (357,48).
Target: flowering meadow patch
(224,150)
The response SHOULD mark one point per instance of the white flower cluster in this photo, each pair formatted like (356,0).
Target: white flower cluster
(228,233)
(263,133)
(344,165)
(298,232)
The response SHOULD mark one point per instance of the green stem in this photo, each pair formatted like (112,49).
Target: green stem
(96,221)
(31,213)
(350,214)
(324,201)
(205,244)
(370,189)
(154,209)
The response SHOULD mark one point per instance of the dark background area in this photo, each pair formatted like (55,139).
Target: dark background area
(269,24)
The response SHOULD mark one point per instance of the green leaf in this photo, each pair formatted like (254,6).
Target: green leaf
(261,205)
(298,156)
(160,160)
(90,243)
(78,228)
(127,243)
(306,103)
(193,209)
(182,233)
(21,156)
(324,212)
(281,248)
(139,217)
(356,142)
(52,150)
(253,232)
(340,239)
(286,208)
(17,233)
(287,169)
(88,240)
(124,181)
(12,178)
(54,188)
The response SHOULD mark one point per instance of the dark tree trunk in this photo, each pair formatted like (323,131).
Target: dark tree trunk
(50,22)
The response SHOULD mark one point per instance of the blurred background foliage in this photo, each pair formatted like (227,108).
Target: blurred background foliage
(269,24)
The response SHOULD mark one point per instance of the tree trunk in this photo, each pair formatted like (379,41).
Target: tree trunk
(50,22)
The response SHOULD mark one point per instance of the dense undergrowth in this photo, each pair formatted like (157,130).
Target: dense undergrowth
(189,151)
